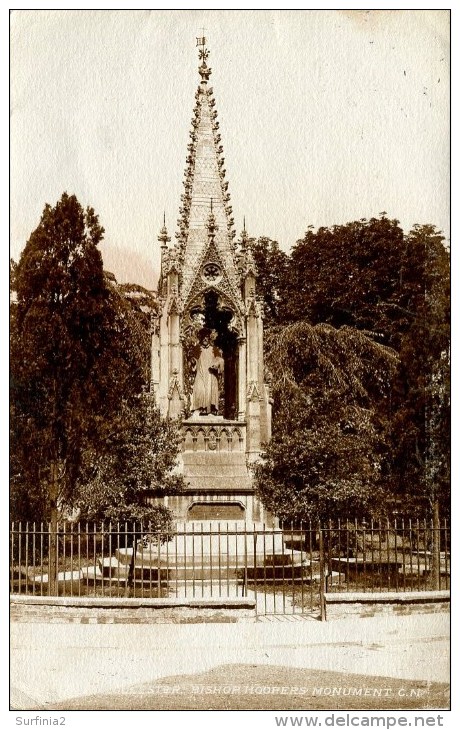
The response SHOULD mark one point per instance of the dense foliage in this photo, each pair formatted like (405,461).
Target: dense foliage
(329,455)
(79,359)
(137,458)
(365,279)
(421,400)
(355,275)
(272,269)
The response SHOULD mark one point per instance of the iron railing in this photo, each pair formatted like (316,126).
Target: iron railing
(286,570)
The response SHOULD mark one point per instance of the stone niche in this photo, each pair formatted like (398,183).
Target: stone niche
(211,321)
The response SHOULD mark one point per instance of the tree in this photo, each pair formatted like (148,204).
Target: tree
(138,459)
(421,424)
(13,268)
(329,453)
(76,353)
(394,287)
(352,275)
(271,265)
(79,360)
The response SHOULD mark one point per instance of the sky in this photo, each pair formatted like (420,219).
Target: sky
(326,116)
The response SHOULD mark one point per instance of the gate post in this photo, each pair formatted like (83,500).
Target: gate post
(254,534)
(322,576)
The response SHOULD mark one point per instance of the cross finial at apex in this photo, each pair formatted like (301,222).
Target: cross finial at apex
(201,40)
(203,55)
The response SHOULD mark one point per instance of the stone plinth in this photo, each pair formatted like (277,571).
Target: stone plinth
(214,458)
(216,471)
(210,542)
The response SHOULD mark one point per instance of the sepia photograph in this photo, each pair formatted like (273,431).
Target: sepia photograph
(229,328)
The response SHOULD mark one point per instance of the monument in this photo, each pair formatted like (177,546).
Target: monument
(207,364)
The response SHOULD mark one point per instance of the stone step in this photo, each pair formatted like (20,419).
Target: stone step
(94,575)
(114,569)
(203,575)
(110,566)
(183,546)
(62,576)
(207,565)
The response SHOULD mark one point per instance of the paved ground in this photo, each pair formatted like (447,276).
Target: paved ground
(380,663)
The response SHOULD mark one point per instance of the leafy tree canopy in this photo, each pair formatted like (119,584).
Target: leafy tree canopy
(272,266)
(329,451)
(79,357)
(366,274)
(369,278)
(61,332)
(139,456)
(421,400)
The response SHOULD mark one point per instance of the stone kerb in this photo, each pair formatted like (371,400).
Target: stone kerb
(84,609)
(342,605)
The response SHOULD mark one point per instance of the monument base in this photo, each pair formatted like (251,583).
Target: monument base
(219,482)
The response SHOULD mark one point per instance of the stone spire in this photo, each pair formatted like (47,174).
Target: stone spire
(205,180)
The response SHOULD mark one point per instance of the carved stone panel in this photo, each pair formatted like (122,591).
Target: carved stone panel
(211,438)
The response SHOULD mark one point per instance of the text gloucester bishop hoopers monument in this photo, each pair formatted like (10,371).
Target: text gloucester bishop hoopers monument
(207,342)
